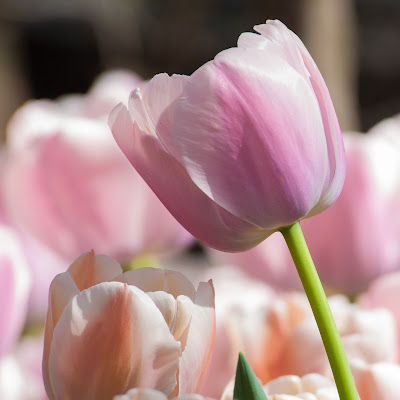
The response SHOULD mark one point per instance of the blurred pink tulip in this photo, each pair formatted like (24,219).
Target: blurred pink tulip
(15,283)
(67,183)
(355,240)
(377,381)
(107,332)
(385,292)
(247,144)
(21,372)
(279,336)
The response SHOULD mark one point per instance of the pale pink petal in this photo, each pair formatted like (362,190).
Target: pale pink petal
(167,177)
(200,341)
(236,162)
(111,338)
(15,282)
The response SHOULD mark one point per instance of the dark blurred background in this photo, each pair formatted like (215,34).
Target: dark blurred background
(53,47)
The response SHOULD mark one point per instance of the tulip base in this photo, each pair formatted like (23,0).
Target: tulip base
(322,313)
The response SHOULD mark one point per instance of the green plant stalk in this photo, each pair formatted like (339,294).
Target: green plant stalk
(322,313)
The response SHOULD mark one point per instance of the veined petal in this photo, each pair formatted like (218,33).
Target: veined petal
(251,137)
(110,338)
(173,186)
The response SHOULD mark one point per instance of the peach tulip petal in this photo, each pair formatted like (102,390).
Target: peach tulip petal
(167,178)
(197,354)
(88,360)
(62,290)
(157,279)
(89,270)
(377,381)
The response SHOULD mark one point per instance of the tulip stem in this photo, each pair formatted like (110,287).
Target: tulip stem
(322,313)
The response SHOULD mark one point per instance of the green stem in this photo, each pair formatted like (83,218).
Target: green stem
(322,313)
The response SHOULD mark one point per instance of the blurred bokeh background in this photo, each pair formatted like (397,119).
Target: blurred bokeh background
(52,47)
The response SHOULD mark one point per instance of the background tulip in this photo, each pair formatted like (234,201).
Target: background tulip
(278,333)
(348,253)
(250,140)
(97,341)
(82,191)
(15,283)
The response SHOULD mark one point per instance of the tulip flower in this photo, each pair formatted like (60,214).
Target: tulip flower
(377,381)
(385,293)
(292,387)
(372,188)
(279,336)
(15,283)
(247,144)
(82,191)
(21,372)
(151,394)
(107,332)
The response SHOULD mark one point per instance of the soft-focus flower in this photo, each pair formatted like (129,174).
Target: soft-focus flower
(377,381)
(355,240)
(21,372)
(279,336)
(385,292)
(151,394)
(247,144)
(107,332)
(14,289)
(67,183)
(292,387)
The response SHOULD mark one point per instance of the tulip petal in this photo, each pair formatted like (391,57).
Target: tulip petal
(110,338)
(168,179)
(157,279)
(62,290)
(89,270)
(142,394)
(266,170)
(197,354)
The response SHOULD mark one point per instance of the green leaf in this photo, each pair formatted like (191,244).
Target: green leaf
(247,385)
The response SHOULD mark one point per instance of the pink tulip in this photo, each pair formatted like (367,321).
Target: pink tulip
(385,292)
(67,183)
(14,289)
(107,332)
(21,373)
(377,381)
(356,239)
(247,144)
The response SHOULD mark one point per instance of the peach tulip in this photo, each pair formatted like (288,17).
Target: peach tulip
(107,332)
(15,282)
(385,292)
(292,387)
(377,381)
(67,183)
(247,144)
(151,394)
(279,336)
